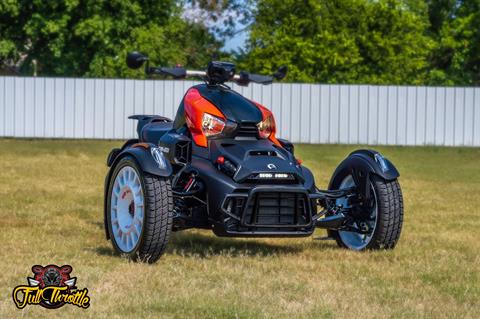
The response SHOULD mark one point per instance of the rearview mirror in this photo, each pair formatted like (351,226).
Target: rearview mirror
(135,59)
(281,72)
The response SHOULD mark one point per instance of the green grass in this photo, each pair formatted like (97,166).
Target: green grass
(51,212)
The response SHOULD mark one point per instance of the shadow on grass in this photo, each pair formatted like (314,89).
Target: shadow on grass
(98,224)
(106,251)
(199,245)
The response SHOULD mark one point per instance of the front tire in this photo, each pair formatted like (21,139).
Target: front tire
(139,212)
(385,220)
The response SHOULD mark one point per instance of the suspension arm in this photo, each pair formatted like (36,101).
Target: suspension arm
(333,194)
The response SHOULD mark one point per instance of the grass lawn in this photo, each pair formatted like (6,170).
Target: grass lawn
(51,212)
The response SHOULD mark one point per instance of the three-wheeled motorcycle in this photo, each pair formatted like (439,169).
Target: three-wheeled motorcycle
(219,165)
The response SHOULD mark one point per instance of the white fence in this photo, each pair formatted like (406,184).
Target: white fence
(307,113)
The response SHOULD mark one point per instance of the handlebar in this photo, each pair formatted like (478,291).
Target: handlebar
(216,73)
(243,78)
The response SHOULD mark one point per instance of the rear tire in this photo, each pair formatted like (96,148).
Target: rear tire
(389,215)
(140,229)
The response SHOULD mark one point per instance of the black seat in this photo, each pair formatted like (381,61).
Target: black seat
(151,128)
(153,131)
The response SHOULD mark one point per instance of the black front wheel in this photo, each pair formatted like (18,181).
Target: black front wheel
(383,223)
(139,212)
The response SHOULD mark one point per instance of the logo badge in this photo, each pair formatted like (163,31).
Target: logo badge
(382,162)
(158,157)
(271,166)
(51,287)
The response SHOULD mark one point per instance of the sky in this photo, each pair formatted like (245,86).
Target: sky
(194,13)
(236,42)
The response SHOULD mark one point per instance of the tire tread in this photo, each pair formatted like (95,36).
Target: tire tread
(158,217)
(390,214)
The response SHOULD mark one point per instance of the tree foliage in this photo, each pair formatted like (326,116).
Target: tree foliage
(349,41)
(455,25)
(92,37)
(367,41)
(343,41)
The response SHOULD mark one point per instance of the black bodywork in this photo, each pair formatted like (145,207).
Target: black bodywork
(229,197)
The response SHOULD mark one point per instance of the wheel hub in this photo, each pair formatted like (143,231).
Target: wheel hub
(364,222)
(131,208)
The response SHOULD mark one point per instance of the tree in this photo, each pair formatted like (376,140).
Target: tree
(344,41)
(455,25)
(92,37)
(348,41)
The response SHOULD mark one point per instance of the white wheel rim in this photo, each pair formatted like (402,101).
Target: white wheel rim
(127,209)
(354,240)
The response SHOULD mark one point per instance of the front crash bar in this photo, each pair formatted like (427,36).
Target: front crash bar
(335,220)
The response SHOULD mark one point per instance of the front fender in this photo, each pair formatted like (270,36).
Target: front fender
(377,164)
(362,163)
(144,154)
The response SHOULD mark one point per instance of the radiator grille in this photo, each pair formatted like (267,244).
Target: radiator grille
(270,209)
(247,129)
(277,208)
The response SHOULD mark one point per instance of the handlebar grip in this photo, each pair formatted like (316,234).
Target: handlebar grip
(177,73)
(244,78)
(262,79)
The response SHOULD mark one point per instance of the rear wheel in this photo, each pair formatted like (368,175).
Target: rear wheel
(383,221)
(139,212)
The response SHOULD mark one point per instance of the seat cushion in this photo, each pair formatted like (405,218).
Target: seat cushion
(153,131)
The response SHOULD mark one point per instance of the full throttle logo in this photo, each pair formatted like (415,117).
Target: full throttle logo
(51,287)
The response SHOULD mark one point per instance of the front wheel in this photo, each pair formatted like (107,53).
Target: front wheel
(139,212)
(385,218)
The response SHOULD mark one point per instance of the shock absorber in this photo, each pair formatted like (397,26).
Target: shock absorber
(186,188)
(179,207)
(191,181)
(181,191)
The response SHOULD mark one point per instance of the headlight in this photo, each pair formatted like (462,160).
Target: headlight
(212,125)
(280,176)
(266,127)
